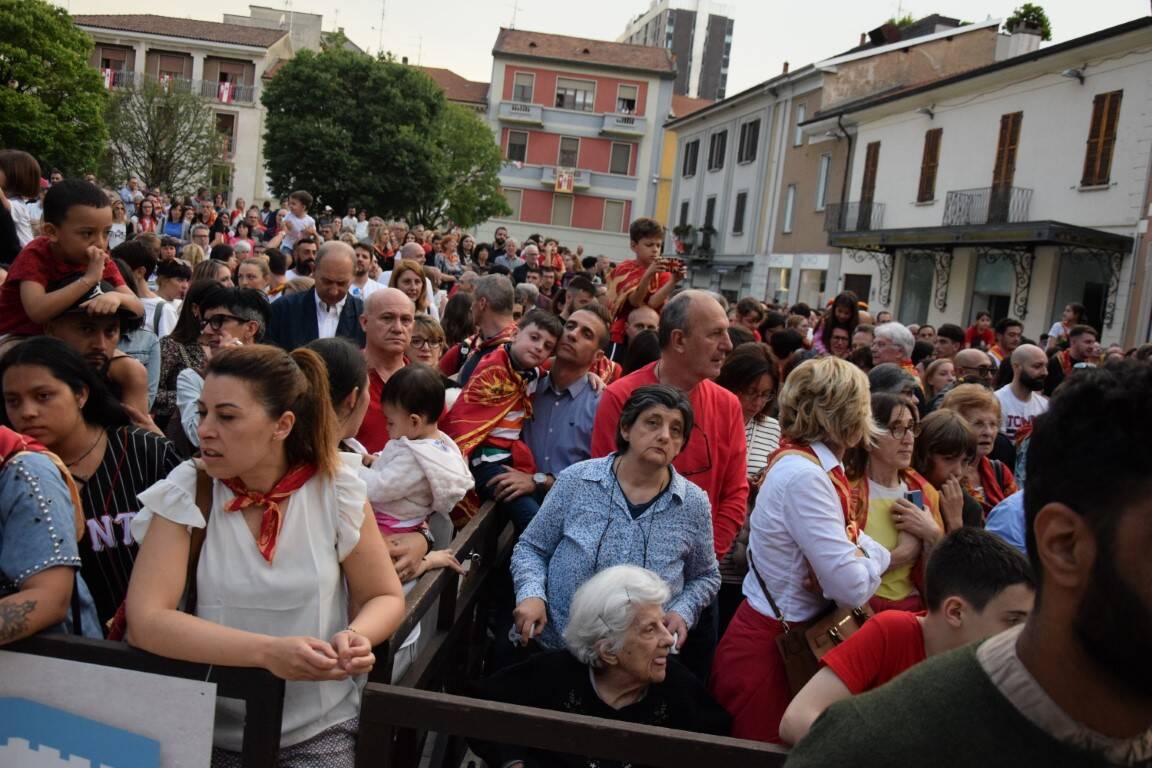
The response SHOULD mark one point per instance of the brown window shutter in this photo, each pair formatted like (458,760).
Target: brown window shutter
(1009,139)
(1101,138)
(871,161)
(928,165)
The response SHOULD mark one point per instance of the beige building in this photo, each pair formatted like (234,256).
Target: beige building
(225,64)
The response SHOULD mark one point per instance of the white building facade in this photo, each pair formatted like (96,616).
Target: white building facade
(1015,188)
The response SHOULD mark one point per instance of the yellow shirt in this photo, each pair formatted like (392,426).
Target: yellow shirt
(896,583)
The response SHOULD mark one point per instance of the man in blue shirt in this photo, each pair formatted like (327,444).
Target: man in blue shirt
(559,434)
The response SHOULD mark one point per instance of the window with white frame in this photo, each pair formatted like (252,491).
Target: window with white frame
(561,210)
(517,146)
(514,198)
(569,152)
(822,181)
(579,95)
(798,136)
(789,209)
(738,216)
(691,156)
(621,160)
(613,216)
(626,96)
(523,84)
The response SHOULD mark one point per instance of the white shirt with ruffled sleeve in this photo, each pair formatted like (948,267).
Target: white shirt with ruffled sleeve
(301,592)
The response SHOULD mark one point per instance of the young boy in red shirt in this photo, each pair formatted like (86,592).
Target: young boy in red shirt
(976,586)
(77,220)
(647,280)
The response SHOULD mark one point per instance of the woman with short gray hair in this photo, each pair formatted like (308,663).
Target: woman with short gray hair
(617,666)
(631,507)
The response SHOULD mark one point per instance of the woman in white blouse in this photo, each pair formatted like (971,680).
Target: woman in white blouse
(289,547)
(803,542)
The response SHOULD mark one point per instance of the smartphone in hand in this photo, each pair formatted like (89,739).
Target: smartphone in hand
(916,497)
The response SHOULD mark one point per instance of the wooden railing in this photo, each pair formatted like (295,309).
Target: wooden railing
(386,709)
(262,692)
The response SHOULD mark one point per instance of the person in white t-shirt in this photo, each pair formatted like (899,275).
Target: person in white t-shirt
(297,223)
(363,285)
(1021,401)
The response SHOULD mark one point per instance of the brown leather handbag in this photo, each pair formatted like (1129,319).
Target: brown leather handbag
(804,643)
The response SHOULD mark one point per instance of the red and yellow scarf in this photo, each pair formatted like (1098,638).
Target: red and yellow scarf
(272,517)
(624,280)
(852,523)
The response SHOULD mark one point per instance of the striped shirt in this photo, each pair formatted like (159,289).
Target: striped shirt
(134,460)
(762,435)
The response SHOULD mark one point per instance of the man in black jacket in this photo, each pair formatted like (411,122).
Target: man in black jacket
(324,311)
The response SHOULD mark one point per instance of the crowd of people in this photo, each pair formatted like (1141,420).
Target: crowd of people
(304,410)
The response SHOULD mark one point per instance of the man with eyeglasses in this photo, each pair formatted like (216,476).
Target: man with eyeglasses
(229,317)
(199,235)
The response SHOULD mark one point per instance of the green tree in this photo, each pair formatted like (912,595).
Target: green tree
(353,129)
(51,100)
(164,135)
(465,188)
(1032,14)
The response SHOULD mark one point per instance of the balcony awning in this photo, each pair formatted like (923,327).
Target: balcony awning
(1023,234)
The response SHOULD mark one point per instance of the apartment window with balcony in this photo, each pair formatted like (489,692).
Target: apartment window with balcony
(683,222)
(691,155)
(561,210)
(717,147)
(738,218)
(621,161)
(613,216)
(749,139)
(789,209)
(822,181)
(515,198)
(1101,139)
(170,68)
(798,136)
(517,146)
(569,152)
(579,95)
(626,96)
(710,212)
(522,87)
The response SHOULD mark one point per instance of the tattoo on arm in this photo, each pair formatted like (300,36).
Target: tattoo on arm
(14,619)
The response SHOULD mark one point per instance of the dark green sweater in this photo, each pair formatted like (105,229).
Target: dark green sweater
(941,713)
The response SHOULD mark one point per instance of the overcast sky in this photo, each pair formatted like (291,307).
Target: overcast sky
(458,34)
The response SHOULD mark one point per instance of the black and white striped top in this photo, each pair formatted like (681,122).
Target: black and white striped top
(134,460)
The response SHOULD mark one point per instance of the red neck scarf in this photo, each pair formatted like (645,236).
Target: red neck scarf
(836,475)
(1066,361)
(273,516)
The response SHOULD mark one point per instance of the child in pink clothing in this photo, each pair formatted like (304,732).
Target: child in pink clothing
(421,471)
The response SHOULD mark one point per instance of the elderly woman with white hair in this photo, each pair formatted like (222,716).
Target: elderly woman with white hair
(617,666)
(631,507)
(805,546)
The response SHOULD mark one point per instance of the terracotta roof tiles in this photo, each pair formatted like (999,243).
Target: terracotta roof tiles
(455,87)
(579,50)
(192,29)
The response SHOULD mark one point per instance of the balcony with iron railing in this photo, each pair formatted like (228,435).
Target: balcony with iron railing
(853,217)
(986,205)
(581,179)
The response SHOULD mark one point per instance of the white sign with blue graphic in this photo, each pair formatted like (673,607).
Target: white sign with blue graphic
(56,713)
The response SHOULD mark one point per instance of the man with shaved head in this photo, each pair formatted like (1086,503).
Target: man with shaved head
(387,326)
(326,309)
(1021,401)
